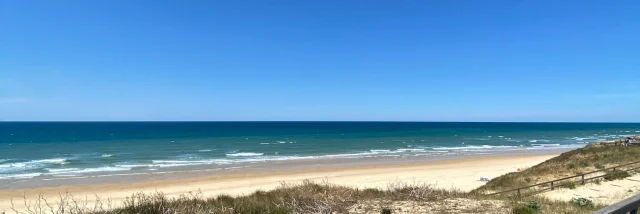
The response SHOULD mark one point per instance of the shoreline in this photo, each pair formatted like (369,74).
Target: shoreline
(458,173)
(256,167)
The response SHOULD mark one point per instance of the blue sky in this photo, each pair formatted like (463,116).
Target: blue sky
(320,60)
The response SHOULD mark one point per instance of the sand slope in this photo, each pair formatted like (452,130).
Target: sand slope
(607,192)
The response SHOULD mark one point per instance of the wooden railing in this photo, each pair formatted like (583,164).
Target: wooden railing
(629,205)
(556,183)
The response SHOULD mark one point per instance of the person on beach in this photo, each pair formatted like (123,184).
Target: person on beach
(627,141)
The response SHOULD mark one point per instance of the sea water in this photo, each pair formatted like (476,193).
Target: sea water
(71,149)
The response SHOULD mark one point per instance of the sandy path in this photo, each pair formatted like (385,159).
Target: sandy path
(462,174)
(607,192)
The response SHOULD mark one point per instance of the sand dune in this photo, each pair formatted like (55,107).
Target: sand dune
(607,192)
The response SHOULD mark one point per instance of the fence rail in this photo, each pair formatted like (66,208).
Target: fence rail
(554,184)
(629,205)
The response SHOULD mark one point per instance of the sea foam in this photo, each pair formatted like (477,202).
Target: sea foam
(244,154)
(546,145)
(474,147)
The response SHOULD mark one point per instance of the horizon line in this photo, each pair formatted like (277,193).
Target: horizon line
(310,121)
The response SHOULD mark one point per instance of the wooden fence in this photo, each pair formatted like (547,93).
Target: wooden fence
(584,177)
(629,205)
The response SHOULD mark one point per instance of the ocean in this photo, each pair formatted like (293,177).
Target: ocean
(74,149)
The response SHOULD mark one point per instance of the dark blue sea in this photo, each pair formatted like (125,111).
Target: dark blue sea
(67,149)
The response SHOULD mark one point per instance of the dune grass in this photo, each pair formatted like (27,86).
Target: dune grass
(307,197)
(591,157)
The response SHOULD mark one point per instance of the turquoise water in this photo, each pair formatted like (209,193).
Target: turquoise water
(63,149)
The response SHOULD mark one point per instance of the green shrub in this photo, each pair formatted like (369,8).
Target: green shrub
(530,208)
(386,211)
(616,175)
(571,165)
(528,180)
(523,210)
(584,163)
(534,205)
(598,166)
(567,184)
(582,203)
(597,181)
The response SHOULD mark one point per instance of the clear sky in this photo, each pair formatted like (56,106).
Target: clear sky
(425,60)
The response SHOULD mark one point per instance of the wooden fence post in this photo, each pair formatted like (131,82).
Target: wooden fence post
(582,179)
(552,188)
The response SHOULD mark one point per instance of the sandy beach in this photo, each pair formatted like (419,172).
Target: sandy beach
(462,174)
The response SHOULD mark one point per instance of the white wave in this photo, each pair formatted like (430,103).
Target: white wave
(75,171)
(63,170)
(538,140)
(637,131)
(205,150)
(51,161)
(104,169)
(359,154)
(106,155)
(171,163)
(30,164)
(4,160)
(349,155)
(411,150)
(20,176)
(165,163)
(134,165)
(282,142)
(12,166)
(545,145)
(473,147)
(279,158)
(569,146)
(220,161)
(265,143)
(245,154)
(374,152)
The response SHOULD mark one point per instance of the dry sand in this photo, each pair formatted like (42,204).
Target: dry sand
(462,174)
(606,193)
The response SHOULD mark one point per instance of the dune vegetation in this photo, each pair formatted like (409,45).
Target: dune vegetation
(593,157)
(309,197)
